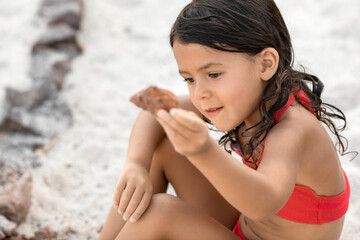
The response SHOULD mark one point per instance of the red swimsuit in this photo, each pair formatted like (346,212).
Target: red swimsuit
(304,205)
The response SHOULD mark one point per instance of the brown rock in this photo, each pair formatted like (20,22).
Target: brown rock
(48,69)
(15,198)
(68,12)
(14,238)
(59,71)
(9,126)
(7,228)
(17,98)
(60,37)
(153,99)
(45,234)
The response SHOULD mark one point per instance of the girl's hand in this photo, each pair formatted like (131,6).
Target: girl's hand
(133,192)
(187,132)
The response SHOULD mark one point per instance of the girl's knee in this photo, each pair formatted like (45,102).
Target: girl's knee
(164,206)
(161,210)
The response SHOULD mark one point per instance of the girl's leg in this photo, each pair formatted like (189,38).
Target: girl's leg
(169,217)
(190,185)
(114,222)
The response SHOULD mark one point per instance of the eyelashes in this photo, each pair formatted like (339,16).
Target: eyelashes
(214,75)
(210,75)
(189,80)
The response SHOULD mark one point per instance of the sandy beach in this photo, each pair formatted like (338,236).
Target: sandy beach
(126,48)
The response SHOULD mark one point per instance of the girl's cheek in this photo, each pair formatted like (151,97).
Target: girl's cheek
(193,100)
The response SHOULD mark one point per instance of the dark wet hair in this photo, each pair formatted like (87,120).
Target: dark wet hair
(249,26)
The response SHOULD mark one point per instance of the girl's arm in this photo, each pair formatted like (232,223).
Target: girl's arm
(147,133)
(257,194)
(133,190)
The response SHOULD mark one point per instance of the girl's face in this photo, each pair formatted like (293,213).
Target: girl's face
(225,87)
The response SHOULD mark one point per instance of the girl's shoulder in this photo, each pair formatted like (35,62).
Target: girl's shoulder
(300,122)
(298,138)
(312,147)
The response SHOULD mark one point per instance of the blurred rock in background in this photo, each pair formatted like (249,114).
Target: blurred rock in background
(30,118)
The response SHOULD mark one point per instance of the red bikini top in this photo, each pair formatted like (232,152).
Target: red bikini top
(304,205)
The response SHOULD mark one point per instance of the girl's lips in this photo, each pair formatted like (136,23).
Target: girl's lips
(213,112)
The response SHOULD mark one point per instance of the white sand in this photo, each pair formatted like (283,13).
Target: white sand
(126,48)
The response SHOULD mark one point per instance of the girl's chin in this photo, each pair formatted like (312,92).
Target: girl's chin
(223,128)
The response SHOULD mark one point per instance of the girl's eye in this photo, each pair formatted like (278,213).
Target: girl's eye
(214,75)
(189,80)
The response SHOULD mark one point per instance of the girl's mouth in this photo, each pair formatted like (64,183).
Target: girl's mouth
(213,112)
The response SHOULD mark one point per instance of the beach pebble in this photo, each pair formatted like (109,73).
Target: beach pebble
(60,37)
(7,228)
(67,12)
(15,199)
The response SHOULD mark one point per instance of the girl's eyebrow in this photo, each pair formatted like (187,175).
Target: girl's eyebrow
(203,67)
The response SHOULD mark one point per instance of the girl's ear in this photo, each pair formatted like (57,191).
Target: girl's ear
(269,60)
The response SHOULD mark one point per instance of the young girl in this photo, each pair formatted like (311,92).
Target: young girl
(236,58)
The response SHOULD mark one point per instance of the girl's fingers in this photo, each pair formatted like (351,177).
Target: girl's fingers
(142,207)
(175,136)
(133,204)
(117,193)
(170,123)
(125,198)
(185,140)
(165,123)
(187,118)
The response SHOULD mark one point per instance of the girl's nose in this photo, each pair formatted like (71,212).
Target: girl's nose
(202,90)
